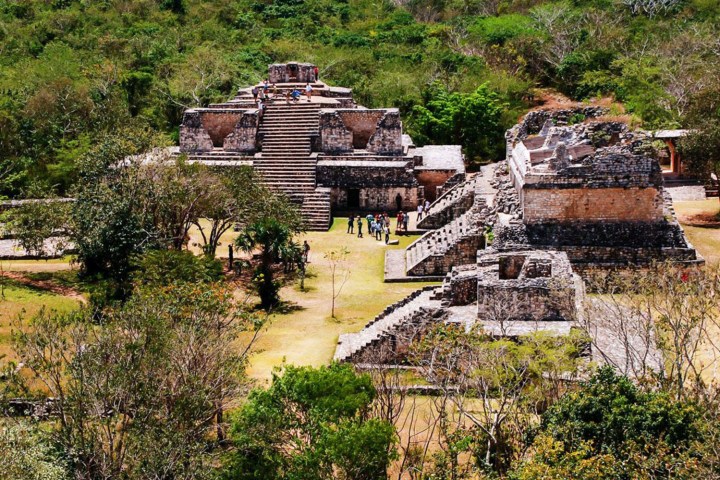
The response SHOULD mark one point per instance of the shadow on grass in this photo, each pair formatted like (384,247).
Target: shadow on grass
(285,308)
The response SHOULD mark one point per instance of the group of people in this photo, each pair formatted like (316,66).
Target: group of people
(423,208)
(378,225)
(402,221)
(266,92)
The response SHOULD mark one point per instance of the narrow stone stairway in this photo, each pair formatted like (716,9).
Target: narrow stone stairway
(357,346)
(286,163)
(449,205)
(438,250)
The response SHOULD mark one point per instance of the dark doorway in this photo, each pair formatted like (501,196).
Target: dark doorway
(353,198)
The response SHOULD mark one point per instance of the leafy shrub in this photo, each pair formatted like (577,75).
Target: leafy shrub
(499,30)
(166,267)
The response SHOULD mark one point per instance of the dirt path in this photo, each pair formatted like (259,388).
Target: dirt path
(45,285)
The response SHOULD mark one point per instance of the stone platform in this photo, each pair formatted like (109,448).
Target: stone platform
(395,269)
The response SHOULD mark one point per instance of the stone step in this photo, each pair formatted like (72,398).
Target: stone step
(385,324)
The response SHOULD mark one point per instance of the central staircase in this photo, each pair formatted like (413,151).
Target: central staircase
(286,163)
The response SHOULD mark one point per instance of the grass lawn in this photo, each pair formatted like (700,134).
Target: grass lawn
(706,239)
(52,265)
(307,334)
(26,301)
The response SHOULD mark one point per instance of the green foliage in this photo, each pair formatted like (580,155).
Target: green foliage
(26,453)
(311,423)
(144,391)
(160,268)
(274,238)
(472,120)
(501,29)
(615,430)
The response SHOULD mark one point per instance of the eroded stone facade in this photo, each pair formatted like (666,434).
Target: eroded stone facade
(357,159)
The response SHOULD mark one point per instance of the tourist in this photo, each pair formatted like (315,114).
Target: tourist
(266,84)
(399,224)
(427,206)
(406,219)
(387,234)
(306,251)
(359,225)
(316,73)
(295,95)
(351,223)
(369,219)
(308,92)
(262,95)
(255,92)
(274,92)
(420,212)
(378,231)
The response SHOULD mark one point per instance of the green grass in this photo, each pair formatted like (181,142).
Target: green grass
(705,239)
(51,265)
(307,334)
(19,300)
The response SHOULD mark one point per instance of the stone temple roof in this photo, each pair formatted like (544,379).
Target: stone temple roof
(440,157)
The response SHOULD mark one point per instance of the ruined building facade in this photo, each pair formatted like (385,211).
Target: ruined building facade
(325,154)
(575,195)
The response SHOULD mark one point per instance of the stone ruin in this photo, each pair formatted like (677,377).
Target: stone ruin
(329,154)
(511,243)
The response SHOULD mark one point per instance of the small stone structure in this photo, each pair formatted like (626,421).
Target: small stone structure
(325,154)
(540,284)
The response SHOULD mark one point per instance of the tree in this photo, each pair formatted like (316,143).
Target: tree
(272,232)
(337,259)
(473,120)
(620,431)
(142,394)
(39,225)
(238,197)
(701,150)
(495,385)
(657,325)
(311,423)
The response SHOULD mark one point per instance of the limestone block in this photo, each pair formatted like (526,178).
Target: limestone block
(193,136)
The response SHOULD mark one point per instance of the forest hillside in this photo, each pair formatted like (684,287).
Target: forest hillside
(74,71)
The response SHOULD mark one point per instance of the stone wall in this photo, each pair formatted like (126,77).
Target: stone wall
(335,137)
(527,286)
(463,251)
(193,136)
(362,124)
(387,139)
(377,199)
(219,123)
(364,174)
(291,72)
(243,136)
(205,129)
(592,204)
(378,131)
(394,346)
(433,180)
(460,286)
